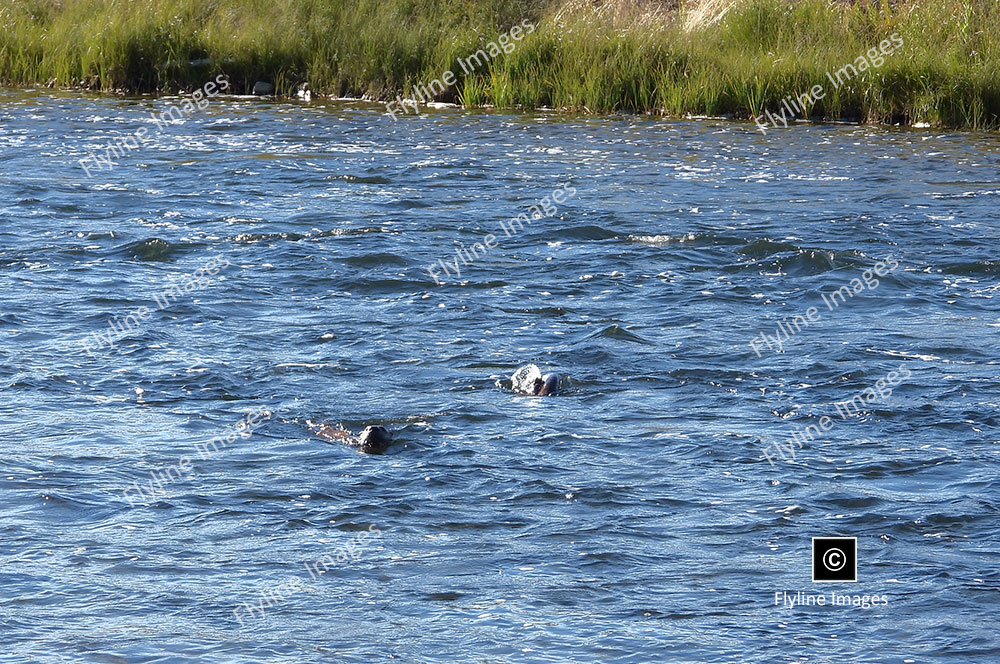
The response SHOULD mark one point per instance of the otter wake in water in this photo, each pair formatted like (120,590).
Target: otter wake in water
(530,381)
(371,440)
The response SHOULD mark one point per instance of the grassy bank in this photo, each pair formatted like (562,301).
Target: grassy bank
(703,57)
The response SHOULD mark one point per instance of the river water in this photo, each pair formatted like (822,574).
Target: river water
(281,252)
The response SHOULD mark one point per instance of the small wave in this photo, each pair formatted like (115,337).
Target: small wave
(302,365)
(364,179)
(764,248)
(153,249)
(807,261)
(249,238)
(619,333)
(694,239)
(976,267)
(408,204)
(589,232)
(375,260)
(537,311)
(661,239)
(968,194)
(802,262)
(336,232)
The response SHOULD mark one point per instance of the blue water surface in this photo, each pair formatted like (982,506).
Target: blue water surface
(635,517)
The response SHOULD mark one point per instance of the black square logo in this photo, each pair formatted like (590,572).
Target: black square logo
(835,559)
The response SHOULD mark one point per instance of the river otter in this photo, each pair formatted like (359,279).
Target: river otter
(529,380)
(372,440)
(547,385)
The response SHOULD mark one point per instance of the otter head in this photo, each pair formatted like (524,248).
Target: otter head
(547,385)
(374,440)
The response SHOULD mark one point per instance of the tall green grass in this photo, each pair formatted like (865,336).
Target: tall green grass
(707,57)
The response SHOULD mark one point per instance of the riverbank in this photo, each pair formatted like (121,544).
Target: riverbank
(744,58)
